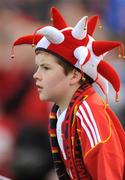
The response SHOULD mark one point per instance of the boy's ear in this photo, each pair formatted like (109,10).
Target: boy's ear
(75,77)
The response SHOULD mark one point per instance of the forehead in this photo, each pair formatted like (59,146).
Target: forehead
(45,57)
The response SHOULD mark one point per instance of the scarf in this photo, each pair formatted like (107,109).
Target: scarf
(68,137)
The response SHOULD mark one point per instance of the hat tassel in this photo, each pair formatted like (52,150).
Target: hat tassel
(121,51)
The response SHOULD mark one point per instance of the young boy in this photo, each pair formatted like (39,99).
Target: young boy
(86,138)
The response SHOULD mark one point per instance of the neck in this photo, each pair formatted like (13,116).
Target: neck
(65,100)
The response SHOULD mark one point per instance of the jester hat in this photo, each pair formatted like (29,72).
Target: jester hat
(77,46)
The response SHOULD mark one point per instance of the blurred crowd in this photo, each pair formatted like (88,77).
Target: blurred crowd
(24,145)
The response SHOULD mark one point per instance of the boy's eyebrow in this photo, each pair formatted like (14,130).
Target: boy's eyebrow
(44,64)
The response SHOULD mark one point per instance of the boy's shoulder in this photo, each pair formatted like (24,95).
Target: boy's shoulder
(91,97)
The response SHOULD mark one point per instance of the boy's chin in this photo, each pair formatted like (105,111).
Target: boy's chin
(43,98)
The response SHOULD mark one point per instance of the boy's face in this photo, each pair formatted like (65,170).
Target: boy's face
(52,83)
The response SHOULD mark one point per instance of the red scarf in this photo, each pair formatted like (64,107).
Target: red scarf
(72,145)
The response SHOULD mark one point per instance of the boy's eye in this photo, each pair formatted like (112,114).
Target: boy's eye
(46,68)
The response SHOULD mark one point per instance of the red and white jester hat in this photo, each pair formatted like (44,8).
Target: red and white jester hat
(77,46)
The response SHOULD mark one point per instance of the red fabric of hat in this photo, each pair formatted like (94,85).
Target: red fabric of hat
(77,46)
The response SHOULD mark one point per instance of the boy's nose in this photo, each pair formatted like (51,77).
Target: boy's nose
(35,75)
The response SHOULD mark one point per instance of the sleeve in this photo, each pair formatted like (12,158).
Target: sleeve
(100,144)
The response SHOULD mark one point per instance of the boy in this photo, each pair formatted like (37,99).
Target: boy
(86,138)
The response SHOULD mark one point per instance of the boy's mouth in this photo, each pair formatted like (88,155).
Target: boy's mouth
(39,87)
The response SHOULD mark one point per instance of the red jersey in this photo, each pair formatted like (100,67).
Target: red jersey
(101,139)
